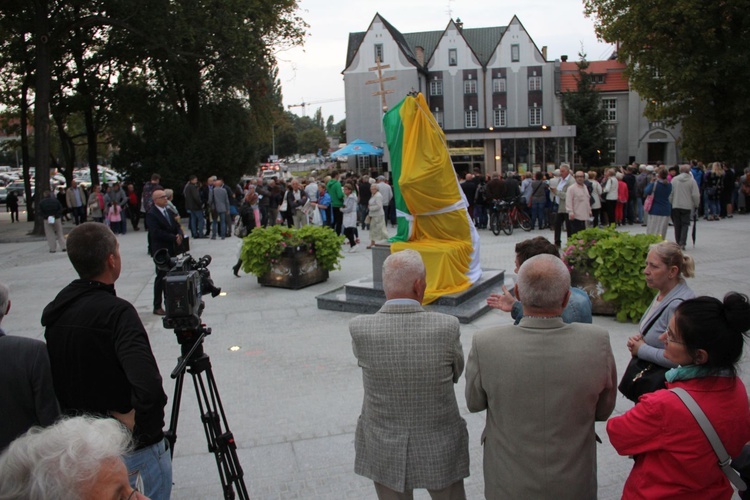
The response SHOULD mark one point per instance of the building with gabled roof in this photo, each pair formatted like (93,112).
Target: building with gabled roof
(494,93)
(491,89)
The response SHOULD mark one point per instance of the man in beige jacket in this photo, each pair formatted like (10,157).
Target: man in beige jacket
(543,384)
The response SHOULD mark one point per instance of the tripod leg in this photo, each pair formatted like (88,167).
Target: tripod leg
(220,443)
(171,433)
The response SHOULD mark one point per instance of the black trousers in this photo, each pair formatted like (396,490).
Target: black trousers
(560,219)
(338,220)
(159,288)
(681,221)
(575,226)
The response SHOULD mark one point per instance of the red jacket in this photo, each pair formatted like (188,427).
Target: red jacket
(673,458)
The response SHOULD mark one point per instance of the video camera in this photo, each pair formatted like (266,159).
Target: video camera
(186,281)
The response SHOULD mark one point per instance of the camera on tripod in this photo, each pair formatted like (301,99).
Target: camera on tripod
(186,281)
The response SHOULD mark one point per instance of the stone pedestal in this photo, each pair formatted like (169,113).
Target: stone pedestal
(366,296)
(379,254)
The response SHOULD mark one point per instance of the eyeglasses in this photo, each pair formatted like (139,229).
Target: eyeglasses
(671,338)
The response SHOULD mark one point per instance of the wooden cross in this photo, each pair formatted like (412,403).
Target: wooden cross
(380,80)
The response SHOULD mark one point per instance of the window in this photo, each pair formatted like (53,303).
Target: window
(535,83)
(436,87)
(378,52)
(597,79)
(470,86)
(470,118)
(452,57)
(438,117)
(515,52)
(612,150)
(498,85)
(535,116)
(500,117)
(610,106)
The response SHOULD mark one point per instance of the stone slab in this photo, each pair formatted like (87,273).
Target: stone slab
(362,296)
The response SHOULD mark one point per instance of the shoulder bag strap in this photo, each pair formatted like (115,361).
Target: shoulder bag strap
(653,320)
(537,188)
(725,460)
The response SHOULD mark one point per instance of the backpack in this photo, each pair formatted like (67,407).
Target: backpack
(480,196)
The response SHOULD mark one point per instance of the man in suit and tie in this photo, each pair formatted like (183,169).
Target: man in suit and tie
(410,433)
(543,383)
(164,232)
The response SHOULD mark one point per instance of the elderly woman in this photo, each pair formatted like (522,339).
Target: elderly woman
(377,216)
(660,210)
(76,458)
(666,269)
(673,458)
(96,203)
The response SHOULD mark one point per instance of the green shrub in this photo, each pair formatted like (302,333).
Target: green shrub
(617,260)
(264,246)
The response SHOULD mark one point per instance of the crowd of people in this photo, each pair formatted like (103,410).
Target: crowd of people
(654,196)
(95,401)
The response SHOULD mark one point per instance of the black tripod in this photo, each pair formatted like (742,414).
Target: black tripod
(220,443)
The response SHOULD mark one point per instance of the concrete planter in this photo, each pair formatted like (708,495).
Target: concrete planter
(588,283)
(297,268)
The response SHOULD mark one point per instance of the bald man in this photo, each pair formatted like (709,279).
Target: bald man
(410,434)
(164,232)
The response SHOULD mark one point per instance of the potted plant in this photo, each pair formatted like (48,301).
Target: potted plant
(608,265)
(291,258)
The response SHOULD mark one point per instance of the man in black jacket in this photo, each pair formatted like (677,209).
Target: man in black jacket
(52,211)
(101,358)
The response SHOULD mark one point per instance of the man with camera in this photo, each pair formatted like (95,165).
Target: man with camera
(164,232)
(101,358)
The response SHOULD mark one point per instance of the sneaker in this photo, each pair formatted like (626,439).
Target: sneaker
(354,248)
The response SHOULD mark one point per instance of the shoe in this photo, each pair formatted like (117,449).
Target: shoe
(370,245)
(236,269)
(221,238)
(213,237)
(353,249)
(159,312)
(64,249)
(51,251)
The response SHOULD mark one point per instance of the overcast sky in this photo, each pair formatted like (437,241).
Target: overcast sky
(313,72)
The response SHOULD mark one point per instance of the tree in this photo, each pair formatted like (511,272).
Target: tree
(311,140)
(583,108)
(688,60)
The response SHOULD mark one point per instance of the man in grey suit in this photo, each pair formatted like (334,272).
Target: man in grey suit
(218,200)
(410,433)
(543,383)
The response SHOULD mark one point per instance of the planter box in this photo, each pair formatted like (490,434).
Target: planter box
(589,284)
(294,270)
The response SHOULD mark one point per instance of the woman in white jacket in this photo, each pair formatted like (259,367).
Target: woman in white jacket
(609,189)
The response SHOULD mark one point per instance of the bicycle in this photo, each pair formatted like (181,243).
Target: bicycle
(506,215)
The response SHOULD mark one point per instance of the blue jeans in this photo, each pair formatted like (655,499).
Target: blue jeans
(639,205)
(196,223)
(223,223)
(154,465)
(537,214)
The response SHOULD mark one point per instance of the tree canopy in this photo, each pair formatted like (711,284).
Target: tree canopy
(688,60)
(583,108)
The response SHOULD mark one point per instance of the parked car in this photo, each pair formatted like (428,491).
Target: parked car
(3,194)
(19,187)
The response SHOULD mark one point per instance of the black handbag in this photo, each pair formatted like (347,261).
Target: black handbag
(641,376)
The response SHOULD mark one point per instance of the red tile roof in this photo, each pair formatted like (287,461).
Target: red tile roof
(613,71)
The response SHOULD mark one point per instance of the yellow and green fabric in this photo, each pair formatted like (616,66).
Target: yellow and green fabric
(430,205)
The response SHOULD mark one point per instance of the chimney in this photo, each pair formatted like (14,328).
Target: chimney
(459,24)
(544,52)
(564,58)
(420,56)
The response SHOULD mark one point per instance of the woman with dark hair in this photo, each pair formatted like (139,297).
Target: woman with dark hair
(673,458)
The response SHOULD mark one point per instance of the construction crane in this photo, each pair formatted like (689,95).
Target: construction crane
(304,105)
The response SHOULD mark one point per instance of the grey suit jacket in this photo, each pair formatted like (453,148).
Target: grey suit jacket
(410,433)
(543,384)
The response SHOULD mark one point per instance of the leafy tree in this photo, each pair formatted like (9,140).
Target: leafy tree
(688,60)
(330,126)
(583,108)
(311,140)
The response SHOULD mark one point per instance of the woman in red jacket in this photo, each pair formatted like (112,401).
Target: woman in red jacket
(673,458)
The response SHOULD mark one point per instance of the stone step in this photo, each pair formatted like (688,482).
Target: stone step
(362,296)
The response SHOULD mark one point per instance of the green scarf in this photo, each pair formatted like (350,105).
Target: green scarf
(694,371)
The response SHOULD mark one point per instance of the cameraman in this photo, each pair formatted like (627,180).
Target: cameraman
(101,358)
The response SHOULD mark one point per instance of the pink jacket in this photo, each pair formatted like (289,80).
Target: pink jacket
(673,458)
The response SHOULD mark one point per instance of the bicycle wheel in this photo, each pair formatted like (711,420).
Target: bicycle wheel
(506,224)
(494,223)
(523,220)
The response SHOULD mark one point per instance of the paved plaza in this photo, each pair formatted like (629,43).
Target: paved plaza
(293,390)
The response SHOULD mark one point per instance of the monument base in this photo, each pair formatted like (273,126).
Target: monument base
(365,296)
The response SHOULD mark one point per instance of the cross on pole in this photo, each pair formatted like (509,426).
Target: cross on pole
(380,80)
